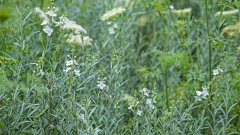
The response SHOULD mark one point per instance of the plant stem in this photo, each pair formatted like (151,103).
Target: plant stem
(165,81)
(209,47)
(61,46)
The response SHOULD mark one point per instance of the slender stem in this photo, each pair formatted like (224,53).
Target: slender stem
(166,90)
(209,46)
(134,60)
(61,46)
(164,35)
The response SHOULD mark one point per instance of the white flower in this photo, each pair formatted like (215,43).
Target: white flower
(204,88)
(77,72)
(69,63)
(215,72)
(74,26)
(145,92)
(48,30)
(199,93)
(182,11)
(75,62)
(53,20)
(45,22)
(41,72)
(205,93)
(148,101)
(114,12)
(51,13)
(58,23)
(111,30)
(197,98)
(154,101)
(225,13)
(69,68)
(171,6)
(151,106)
(65,20)
(77,39)
(109,23)
(41,14)
(115,25)
(61,18)
(101,85)
(130,107)
(139,112)
(220,70)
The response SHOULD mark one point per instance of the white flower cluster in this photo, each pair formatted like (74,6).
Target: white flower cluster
(41,14)
(216,71)
(46,22)
(227,13)
(111,14)
(111,29)
(201,94)
(69,68)
(79,39)
(181,11)
(77,28)
(76,36)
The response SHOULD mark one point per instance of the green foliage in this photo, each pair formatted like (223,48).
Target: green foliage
(160,67)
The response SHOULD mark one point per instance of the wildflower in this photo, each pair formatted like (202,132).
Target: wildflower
(65,20)
(171,6)
(58,23)
(142,21)
(109,23)
(152,106)
(129,99)
(45,22)
(154,101)
(75,62)
(113,13)
(69,63)
(69,68)
(101,85)
(130,107)
(139,112)
(148,101)
(197,98)
(215,72)
(51,13)
(145,92)
(40,13)
(111,30)
(199,93)
(205,93)
(74,26)
(226,13)
(77,39)
(41,72)
(220,70)
(182,11)
(115,25)
(48,30)
(77,72)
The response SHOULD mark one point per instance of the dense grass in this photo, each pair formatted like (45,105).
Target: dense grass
(160,67)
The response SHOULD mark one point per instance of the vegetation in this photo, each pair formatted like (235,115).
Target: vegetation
(119,67)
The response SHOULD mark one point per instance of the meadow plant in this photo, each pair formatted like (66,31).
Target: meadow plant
(119,67)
